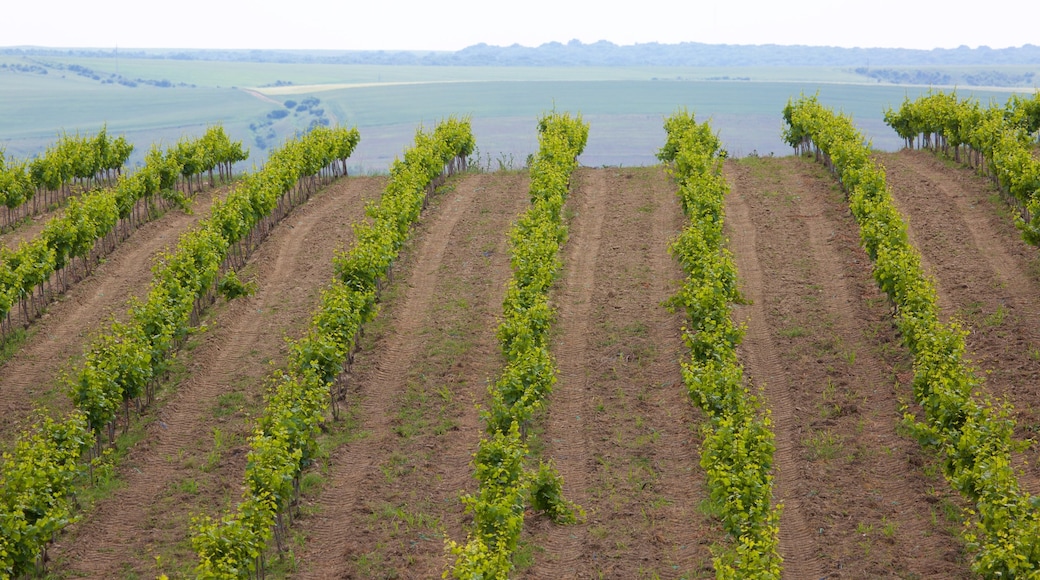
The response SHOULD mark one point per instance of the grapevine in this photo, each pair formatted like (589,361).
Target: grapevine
(284,440)
(505,487)
(997,140)
(126,363)
(972,435)
(738,448)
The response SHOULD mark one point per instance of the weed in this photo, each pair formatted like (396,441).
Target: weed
(395,466)
(826,345)
(310,481)
(12,342)
(998,316)
(1034,353)
(970,310)
(188,486)
(888,528)
(523,557)
(849,356)
(822,445)
(221,442)
(951,511)
(411,417)
(446,394)
(229,404)
(647,438)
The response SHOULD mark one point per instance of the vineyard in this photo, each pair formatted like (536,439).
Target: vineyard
(824,365)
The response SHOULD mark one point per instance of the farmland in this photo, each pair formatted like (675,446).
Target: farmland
(345,378)
(861,498)
(627,104)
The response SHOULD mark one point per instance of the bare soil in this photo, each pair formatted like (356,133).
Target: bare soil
(618,425)
(820,344)
(192,457)
(31,377)
(986,276)
(392,494)
(861,499)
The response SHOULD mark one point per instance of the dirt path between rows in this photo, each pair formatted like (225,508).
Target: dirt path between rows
(31,376)
(861,499)
(29,230)
(192,459)
(619,425)
(764,369)
(393,493)
(986,276)
(821,345)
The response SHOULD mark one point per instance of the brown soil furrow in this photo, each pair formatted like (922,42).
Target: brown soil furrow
(681,523)
(863,507)
(126,530)
(27,231)
(565,436)
(453,467)
(883,462)
(762,363)
(365,481)
(982,273)
(619,424)
(31,376)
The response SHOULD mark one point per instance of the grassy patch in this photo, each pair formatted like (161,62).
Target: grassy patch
(822,446)
(793,332)
(229,404)
(997,317)
(12,343)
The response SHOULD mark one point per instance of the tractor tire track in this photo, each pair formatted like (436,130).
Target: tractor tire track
(31,377)
(340,533)
(820,338)
(146,516)
(981,268)
(619,421)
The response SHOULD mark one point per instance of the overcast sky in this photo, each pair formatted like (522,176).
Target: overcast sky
(452,25)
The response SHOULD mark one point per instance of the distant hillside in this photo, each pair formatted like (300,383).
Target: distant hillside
(603,53)
(697,54)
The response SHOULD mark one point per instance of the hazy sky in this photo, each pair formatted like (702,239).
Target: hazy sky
(451,25)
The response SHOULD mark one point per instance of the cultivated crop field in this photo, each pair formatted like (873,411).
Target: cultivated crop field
(171,98)
(379,487)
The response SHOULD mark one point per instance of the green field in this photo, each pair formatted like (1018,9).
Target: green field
(624,104)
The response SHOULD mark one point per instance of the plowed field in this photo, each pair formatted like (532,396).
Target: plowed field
(861,499)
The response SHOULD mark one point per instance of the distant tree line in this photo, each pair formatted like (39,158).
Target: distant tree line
(990,78)
(25,68)
(602,53)
(41,67)
(305,113)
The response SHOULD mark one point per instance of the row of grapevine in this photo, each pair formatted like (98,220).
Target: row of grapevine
(28,187)
(214,150)
(737,453)
(505,486)
(284,440)
(125,363)
(999,141)
(93,224)
(34,480)
(973,437)
(132,356)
